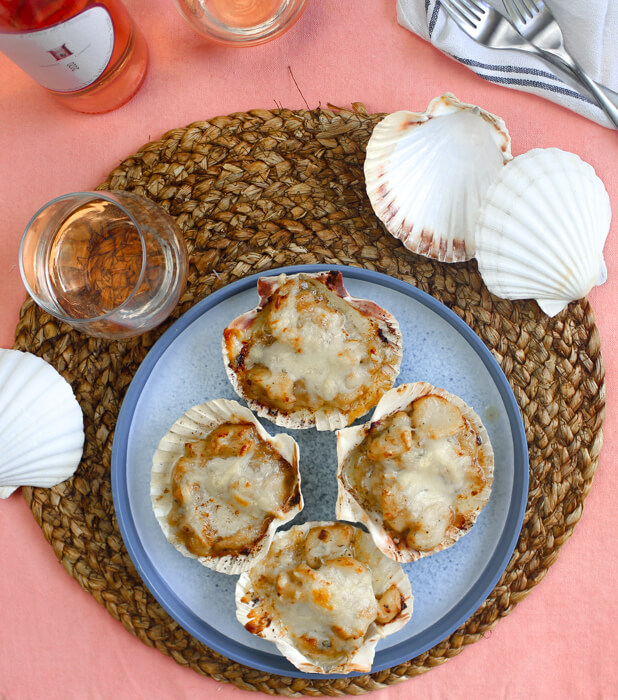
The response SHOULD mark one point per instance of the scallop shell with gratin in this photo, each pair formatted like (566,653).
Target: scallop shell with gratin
(221,485)
(311,355)
(542,228)
(41,424)
(418,474)
(426,174)
(324,595)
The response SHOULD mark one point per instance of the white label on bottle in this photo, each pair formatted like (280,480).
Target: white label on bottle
(65,57)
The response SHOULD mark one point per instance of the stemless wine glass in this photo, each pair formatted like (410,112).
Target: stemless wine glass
(241,22)
(110,264)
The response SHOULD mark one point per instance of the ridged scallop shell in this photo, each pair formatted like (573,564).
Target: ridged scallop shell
(426,174)
(41,424)
(386,328)
(258,616)
(194,425)
(349,504)
(542,228)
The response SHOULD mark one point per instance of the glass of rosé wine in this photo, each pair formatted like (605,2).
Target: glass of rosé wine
(241,22)
(110,264)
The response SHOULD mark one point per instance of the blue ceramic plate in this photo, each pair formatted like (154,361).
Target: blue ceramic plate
(185,368)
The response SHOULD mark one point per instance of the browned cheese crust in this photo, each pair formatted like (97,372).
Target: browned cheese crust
(308,350)
(423,473)
(227,489)
(326,590)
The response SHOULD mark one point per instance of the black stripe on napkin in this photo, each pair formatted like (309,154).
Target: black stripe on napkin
(560,88)
(508,68)
(434,15)
(523,82)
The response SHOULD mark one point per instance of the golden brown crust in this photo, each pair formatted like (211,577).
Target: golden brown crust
(324,594)
(420,474)
(194,510)
(310,353)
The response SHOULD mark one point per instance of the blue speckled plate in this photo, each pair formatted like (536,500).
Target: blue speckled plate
(185,368)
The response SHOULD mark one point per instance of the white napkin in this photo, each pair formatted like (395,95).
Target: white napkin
(590,29)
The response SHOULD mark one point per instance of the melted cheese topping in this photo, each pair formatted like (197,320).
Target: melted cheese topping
(227,488)
(421,472)
(314,348)
(327,608)
(310,349)
(325,591)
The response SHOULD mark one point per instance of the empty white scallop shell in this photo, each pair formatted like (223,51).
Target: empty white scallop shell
(194,425)
(426,174)
(351,505)
(542,228)
(41,424)
(259,608)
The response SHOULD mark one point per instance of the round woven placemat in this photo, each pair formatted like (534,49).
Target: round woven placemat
(264,189)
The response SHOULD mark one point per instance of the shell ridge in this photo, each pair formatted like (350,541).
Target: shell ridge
(19,393)
(408,189)
(58,466)
(576,253)
(542,228)
(195,424)
(42,427)
(39,449)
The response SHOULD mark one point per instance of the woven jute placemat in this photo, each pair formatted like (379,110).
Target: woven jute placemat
(268,188)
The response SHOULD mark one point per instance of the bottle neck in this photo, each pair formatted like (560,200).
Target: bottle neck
(25,15)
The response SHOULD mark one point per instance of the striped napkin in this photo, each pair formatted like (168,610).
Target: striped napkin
(590,29)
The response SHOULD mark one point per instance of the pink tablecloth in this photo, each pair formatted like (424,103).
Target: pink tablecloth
(57,641)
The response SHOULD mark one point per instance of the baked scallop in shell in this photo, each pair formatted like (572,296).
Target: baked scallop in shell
(221,485)
(542,228)
(418,474)
(324,595)
(427,172)
(310,355)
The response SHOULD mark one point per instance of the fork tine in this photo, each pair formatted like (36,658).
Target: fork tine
(472,9)
(457,11)
(456,15)
(511,9)
(466,11)
(530,7)
(520,8)
(478,9)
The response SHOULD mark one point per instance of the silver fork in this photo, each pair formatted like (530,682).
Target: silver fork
(535,22)
(486,25)
(490,28)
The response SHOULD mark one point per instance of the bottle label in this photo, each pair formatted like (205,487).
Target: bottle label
(65,57)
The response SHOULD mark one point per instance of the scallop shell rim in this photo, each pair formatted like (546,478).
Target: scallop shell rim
(194,424)
(348,508)
(362,660)
(306,418)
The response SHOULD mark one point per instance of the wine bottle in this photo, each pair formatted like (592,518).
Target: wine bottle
(87,53)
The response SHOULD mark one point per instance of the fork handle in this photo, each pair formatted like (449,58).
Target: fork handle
(602,97)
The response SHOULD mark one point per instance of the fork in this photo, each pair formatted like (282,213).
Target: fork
(535,22)
(486,25)
(490,28)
